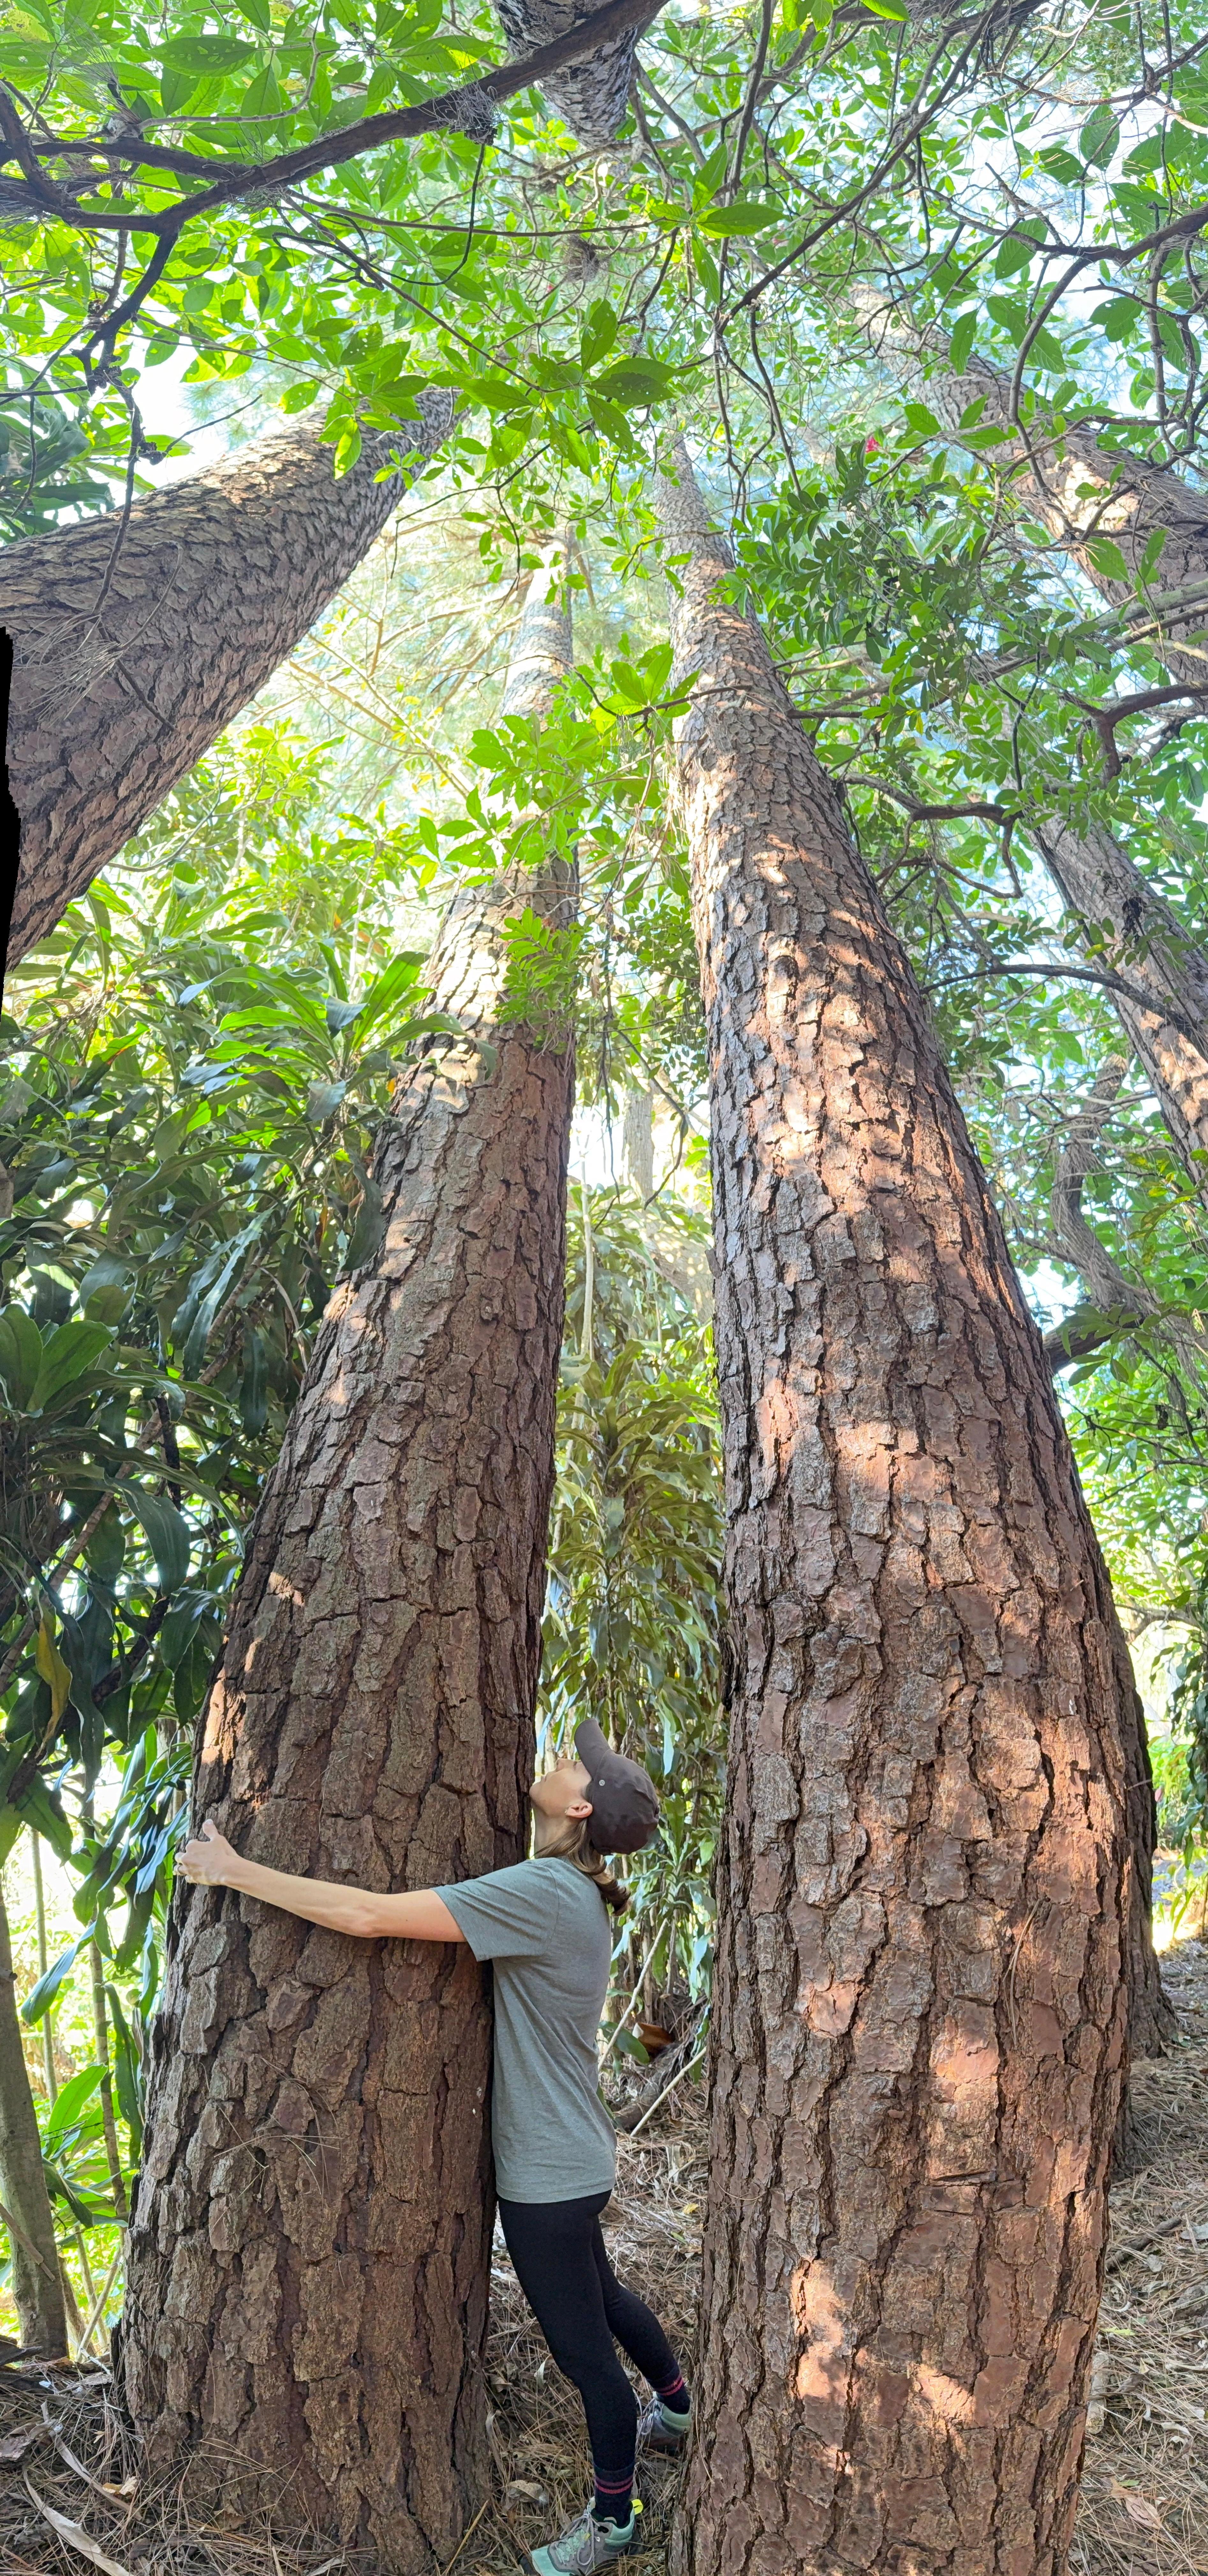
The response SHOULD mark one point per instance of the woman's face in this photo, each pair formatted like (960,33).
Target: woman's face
(562,1791)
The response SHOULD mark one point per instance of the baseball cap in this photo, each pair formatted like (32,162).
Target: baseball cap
(624,1807)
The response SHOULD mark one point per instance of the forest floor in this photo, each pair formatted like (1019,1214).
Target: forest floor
(68,2498)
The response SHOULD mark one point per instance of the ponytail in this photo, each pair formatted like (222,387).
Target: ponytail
(574,1843)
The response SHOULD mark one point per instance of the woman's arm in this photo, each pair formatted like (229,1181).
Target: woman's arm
(209,1861)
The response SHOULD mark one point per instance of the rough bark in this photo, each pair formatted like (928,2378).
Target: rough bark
(309,2255)
(36,2284)
(135,648)
(591,97)
(924,1880)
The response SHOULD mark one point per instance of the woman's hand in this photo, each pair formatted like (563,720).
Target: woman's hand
(208,1861)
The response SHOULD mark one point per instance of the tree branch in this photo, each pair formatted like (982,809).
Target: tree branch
(464,109)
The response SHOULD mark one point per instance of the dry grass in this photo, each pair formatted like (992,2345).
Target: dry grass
(1145,2495)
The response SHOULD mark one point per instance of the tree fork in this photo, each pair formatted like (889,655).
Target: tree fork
(137,640)
(310,2241)
(924,1881)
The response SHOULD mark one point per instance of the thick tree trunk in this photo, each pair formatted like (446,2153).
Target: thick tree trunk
(37,2287)
(135,648)
(309,2254)
(924,1881)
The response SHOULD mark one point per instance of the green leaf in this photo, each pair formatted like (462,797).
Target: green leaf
(635,380)
(71,2098)
(167,1535)
(1107,558)
(20,1355)
(323,1099)
(746,215)
(180,1627)
(368,1232)
(39,1808)
(1154,547)
(1011,314)
(263,97)
(53,1670)
(37,2004)
(399,977)
(921,422)
(66,1358)
(206,57)
(1014,254)
(1118,316)
(126,2070)
(60,2188)
(1061,165)
(1099,137)
(598,332)
(960,346)
(253,1387)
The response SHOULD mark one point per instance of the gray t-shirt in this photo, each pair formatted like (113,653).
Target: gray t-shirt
(546,1928)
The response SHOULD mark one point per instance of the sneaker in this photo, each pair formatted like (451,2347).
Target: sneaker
(587,2546)
(661,2430)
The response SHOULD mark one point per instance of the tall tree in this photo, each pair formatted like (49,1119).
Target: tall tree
(924,1882)
(309,2253)
(136,640)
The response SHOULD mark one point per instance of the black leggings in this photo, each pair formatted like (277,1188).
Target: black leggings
(558,2253)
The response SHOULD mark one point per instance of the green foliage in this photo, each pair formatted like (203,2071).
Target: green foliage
(632,1624)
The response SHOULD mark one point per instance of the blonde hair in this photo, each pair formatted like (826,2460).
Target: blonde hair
(574,1843)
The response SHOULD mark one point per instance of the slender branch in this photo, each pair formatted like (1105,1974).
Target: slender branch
(920,813)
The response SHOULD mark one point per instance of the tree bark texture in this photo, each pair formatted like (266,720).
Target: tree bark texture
(590,97)
(36,2283)
(135,647)
(309,2255)
(924,1880)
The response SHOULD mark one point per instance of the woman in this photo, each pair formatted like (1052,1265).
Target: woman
(545,1926)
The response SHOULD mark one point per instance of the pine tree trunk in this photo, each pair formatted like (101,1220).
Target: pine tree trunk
(924,1880)
(134,650)
(310,2244)
(37,2287)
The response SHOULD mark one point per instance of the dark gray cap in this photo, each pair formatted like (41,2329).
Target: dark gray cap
(624,1807)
